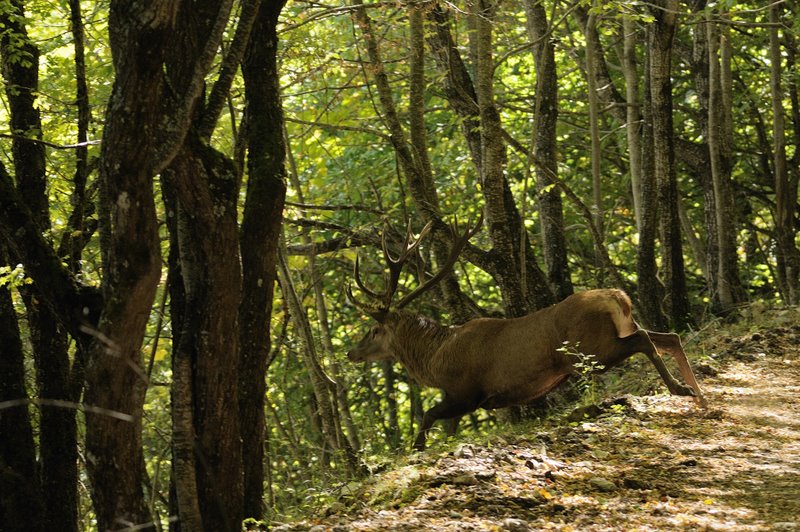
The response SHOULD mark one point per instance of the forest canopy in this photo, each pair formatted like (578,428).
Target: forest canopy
(186,186)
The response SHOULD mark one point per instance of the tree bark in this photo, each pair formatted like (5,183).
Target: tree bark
(206,185)
(511,272)
(259,238)
(545,150)
(728,290)
(58,430)
(700,66)
(515,272)
(21,503)
(412,153)
(651,290)
(146,123)
(788,267)
(633,115)
(661,36)
(592,60)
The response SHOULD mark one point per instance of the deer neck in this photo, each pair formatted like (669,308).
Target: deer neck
(416,341)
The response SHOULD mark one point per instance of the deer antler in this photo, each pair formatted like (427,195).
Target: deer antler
(395,267)
(459,241)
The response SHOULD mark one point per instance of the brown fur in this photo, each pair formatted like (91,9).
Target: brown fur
(494,363)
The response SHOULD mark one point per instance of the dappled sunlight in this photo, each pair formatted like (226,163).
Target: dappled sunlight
(657,462)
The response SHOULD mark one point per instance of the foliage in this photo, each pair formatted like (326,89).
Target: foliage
(346,187)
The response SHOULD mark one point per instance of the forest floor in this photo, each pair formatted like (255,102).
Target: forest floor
(653,462)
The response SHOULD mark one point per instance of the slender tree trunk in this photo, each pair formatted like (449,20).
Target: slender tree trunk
(509,239)
(729,289)
(700,64)
(324,387)
(661,36)
(651,290)
(518,270)
(788,269)
(545,150)
(594,129)
(58,430)
(412,153)
(633,127)
(322,313)
(21,503)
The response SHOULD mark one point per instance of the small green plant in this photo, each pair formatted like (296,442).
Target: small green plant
(587,367)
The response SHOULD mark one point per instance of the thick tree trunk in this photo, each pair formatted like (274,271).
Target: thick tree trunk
(260,235)
(206,185)
(146,123)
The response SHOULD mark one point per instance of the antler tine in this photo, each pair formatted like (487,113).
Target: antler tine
(362,286)
(409,245)
(459,241)
(396,264)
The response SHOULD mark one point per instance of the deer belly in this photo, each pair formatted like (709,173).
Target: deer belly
(523,393)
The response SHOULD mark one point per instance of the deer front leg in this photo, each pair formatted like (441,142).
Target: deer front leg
(671,343)
(674,387)
(451,409)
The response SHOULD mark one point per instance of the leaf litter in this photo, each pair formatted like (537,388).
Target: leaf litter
(634,463)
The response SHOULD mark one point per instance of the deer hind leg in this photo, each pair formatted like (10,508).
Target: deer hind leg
(671,343)
(640,342)
(449,408)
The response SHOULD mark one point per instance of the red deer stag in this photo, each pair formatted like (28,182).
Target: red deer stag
(494,363)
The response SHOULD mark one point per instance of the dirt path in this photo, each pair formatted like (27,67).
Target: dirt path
(647,463)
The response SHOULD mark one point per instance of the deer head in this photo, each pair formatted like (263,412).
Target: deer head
(377,344)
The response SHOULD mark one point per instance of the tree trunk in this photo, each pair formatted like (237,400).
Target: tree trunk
(57,440)
(785,186)
(651,290)
(146,124)
(633,123)
(413,155)
(729,289)
(21,504)
(515,271)
(545,150)
(206,185)
(511,272)
(661,35)
(700,66)
(323,400)
(259,238)
(592,58)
